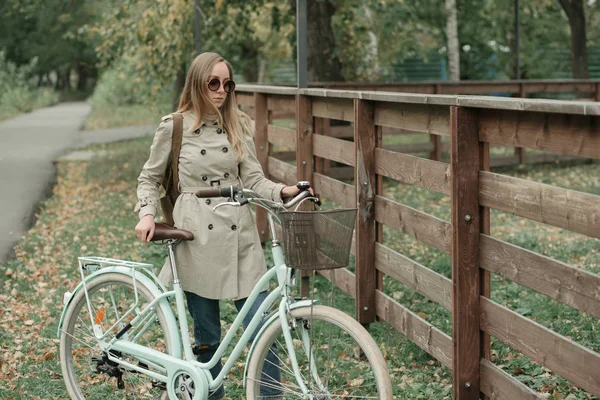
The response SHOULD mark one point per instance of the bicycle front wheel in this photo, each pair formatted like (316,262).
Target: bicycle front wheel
(337,358)
(87,371)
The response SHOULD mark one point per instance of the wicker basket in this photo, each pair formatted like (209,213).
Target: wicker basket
(316,240)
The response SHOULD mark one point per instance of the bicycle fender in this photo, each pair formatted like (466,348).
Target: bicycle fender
(154,289)
(272,318)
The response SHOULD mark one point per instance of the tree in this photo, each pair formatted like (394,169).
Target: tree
(579,55)
(453,44)
(49,31)
(322,61)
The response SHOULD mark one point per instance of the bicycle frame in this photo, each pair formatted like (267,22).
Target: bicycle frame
(167,366)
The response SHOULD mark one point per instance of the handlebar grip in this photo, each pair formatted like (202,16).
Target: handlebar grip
(209,192)
(229,192)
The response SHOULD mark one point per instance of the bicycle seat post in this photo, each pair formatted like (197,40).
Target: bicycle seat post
(170,246)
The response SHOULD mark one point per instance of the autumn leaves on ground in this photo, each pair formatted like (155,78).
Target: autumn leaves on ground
(90,213)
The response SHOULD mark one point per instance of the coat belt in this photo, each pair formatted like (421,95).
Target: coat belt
(221,183)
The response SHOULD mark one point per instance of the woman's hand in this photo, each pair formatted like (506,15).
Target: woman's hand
(144,230)
(292,191)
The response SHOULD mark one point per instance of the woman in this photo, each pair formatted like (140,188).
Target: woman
(225,260)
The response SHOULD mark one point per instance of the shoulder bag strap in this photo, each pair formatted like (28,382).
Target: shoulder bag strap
(176,149)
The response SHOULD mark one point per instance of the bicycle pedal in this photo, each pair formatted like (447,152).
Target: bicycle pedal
(159,385)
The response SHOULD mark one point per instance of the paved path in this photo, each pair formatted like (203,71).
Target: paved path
(29,145)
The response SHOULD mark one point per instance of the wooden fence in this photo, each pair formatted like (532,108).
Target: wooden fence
(472,125)
(435,146)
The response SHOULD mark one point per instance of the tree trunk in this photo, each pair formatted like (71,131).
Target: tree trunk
(250,66)
(323,64)
(579,55)
(453,45)
(372,47)
(178,86)
(82,76)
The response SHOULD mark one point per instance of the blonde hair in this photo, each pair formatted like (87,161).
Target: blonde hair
(195,98)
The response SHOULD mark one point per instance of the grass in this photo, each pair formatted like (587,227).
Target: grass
(113,116)
(90,213)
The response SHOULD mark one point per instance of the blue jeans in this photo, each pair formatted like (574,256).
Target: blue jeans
(207,336)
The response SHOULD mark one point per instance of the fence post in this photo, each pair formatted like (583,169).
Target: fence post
(261,117)
(484,226)
(520,151)
(464,159)
(365,184)
(436,140)
(304,157)
(379,191)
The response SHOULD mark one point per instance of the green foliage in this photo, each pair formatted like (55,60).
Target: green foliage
(17,94)
(120,85)
(50,30)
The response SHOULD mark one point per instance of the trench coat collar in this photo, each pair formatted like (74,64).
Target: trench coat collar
(189,117)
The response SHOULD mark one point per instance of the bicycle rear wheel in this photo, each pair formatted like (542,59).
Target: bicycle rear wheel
(86,369)
(336,356)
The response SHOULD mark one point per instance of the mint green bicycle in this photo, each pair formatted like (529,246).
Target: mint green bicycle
(120,338)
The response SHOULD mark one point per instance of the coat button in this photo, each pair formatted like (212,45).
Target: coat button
(210,226)
(203,152)
(233,227)
(226,175)
(207,201)
(219,131)
(225,149)
(204,177)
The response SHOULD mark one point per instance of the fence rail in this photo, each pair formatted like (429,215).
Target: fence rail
(471,125)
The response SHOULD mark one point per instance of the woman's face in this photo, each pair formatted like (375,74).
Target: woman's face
(220,72)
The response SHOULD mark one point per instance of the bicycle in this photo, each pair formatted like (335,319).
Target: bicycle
(118,327)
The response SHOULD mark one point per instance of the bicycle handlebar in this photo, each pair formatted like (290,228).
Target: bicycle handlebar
(232,192)
(217,192)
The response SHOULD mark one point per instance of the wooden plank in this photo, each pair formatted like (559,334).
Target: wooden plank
(576,211)
(338,192)
(415,328)
(244,99)
(333,108)
(574,362)
(465,253)
(576,135)
(421,226)
(281,104)
(286,156)
(573,286)
(334,149)
(261,120)
(282,171)
(423,118)
(364,146)
(432,175)
(414,275)
(411,148)
(282,137)
(498,385)
(342,278)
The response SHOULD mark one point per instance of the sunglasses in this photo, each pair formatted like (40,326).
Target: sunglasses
(214,84)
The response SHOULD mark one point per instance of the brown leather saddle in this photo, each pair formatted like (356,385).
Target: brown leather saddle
(165,232)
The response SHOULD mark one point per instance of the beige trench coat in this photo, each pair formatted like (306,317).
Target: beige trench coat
(225,260)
